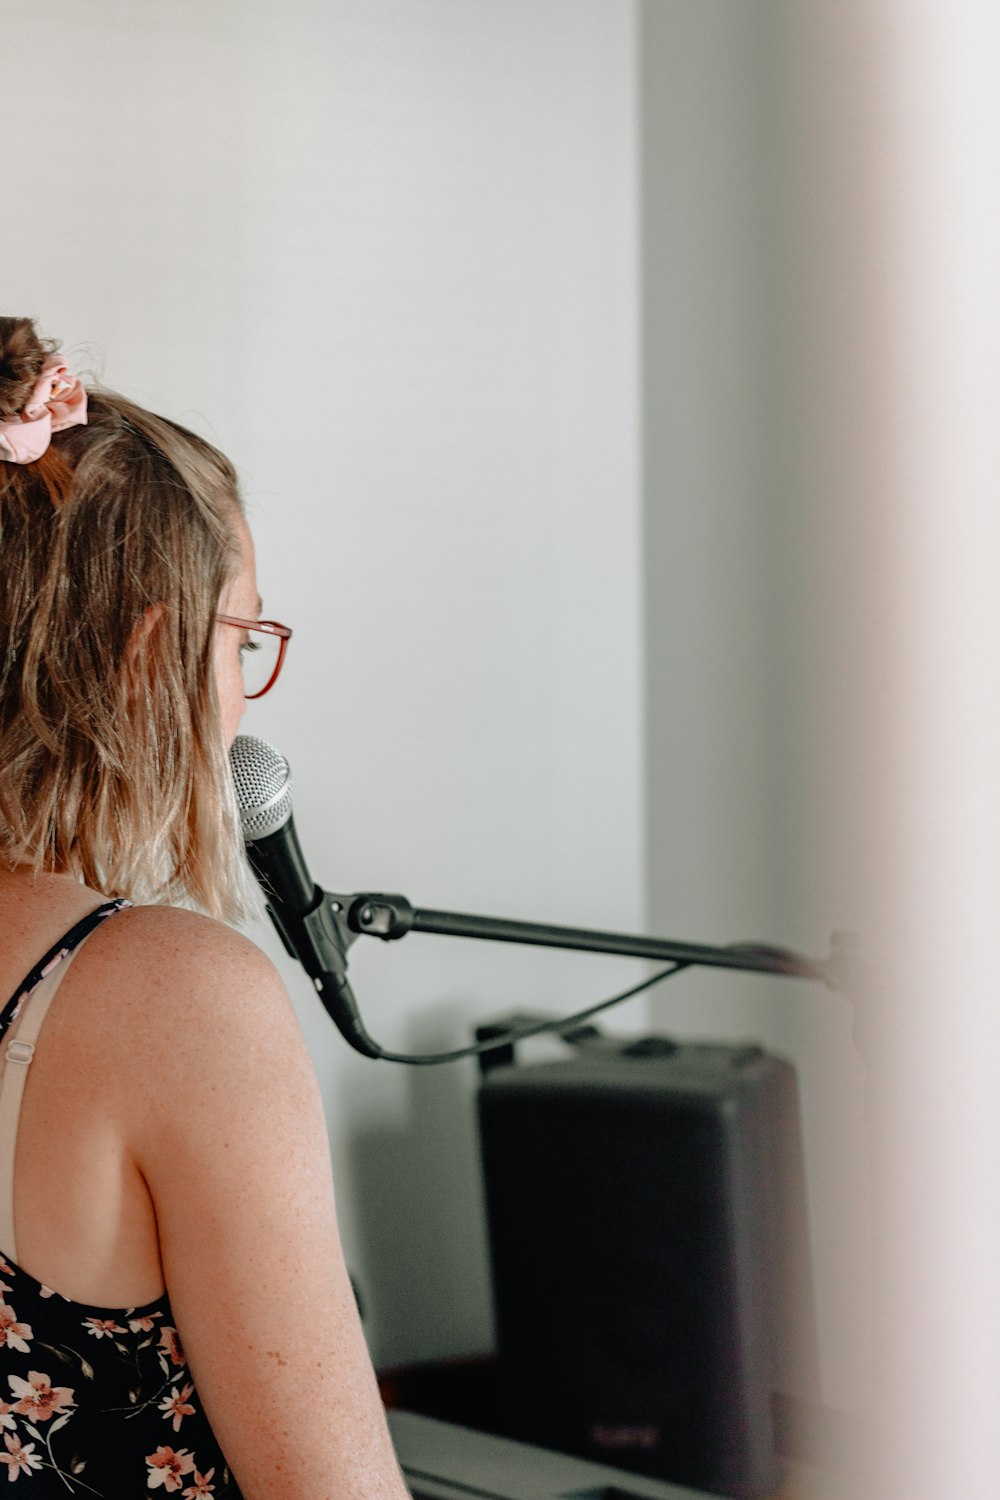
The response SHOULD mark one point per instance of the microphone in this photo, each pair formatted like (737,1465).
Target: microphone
(311,925)
(317,928)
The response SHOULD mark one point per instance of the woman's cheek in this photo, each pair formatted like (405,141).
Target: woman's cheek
(229,684)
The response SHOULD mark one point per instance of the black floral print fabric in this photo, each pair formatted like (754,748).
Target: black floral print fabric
(97,1401)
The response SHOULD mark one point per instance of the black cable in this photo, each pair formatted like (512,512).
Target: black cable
(509,1038)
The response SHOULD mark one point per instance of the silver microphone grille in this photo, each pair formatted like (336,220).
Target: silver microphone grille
(263,786)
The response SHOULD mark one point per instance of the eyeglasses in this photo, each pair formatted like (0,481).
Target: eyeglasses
(261,654)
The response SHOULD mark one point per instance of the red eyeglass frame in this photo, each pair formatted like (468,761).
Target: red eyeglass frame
(269,627)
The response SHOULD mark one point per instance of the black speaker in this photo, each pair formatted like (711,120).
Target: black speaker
(652,1286)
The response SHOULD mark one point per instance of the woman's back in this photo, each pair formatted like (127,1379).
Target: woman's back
(171,1137)
(85,1222)
(91,1383)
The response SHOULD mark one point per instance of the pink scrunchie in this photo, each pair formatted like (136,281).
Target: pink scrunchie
(58,401)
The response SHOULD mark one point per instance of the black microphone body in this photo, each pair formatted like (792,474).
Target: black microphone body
(311,925)
(280,866)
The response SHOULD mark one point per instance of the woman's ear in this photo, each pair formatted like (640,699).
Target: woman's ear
(138,642)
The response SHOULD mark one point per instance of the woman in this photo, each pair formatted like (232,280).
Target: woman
(176,1316)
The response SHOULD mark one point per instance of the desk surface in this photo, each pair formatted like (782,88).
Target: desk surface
(443,1461)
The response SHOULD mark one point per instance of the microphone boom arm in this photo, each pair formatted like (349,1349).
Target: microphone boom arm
(318,927)
(321,936)
(392,917)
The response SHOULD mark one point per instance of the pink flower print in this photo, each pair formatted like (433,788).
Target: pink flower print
(45,1291)
(54,962)
(175,1405)
(6,1420)
(201,1486)
(17,1008)
(12,1332)
(171,1344)
(38,1397)
(144,1324)
(166,1468)
(102,1328)
(8,1270)
(19,1457)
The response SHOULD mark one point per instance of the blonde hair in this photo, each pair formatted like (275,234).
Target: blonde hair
(115,547)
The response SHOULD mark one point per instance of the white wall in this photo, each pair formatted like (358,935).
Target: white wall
(384,253)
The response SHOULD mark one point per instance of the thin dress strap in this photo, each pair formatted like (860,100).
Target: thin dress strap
(39,987)
(66,944)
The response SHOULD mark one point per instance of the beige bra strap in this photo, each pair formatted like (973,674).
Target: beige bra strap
(17,1048)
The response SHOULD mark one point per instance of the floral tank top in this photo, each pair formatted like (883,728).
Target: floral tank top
(95,1401)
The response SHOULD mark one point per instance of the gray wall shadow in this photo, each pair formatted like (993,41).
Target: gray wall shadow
(419,1209)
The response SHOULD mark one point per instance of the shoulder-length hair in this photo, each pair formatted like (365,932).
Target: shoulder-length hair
(115,547)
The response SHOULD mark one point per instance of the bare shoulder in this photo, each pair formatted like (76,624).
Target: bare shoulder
(186,1000)
(151,955)
(181,946)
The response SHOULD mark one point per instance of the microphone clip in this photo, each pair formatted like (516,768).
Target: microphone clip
(325,930)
